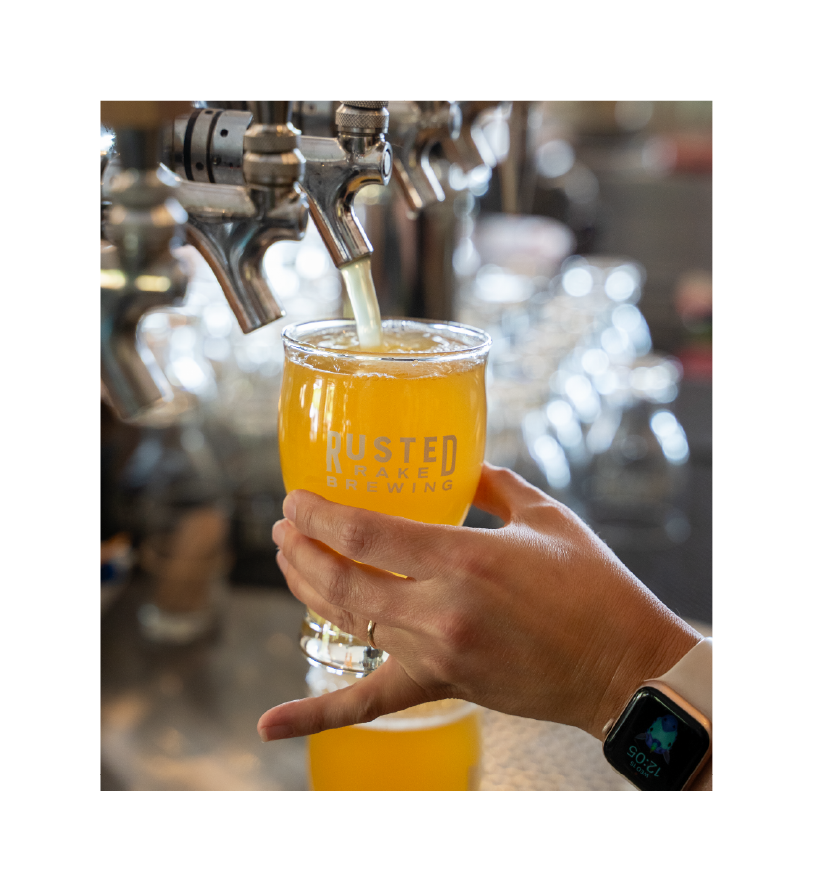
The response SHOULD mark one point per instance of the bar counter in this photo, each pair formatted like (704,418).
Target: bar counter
(184,718)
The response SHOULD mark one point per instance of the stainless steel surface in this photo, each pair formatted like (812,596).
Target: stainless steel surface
(185,718)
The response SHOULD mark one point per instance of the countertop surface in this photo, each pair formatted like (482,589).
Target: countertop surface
(184,718)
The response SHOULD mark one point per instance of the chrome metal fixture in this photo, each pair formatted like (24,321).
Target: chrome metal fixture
(469,148)
(337,167)
(415,128)
(238,176)
(138,270)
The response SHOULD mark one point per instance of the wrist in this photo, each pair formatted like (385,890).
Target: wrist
(646,650)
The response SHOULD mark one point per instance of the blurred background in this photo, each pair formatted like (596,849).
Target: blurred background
(579,235)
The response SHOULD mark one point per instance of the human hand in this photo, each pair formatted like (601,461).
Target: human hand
(538,618)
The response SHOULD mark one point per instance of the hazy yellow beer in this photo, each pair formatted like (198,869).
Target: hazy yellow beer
(401,431)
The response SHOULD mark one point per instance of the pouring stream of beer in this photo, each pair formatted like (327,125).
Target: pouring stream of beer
(358,280)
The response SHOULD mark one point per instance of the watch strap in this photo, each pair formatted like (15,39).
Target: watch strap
(691,676)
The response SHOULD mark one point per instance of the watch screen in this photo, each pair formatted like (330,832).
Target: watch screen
(656,744)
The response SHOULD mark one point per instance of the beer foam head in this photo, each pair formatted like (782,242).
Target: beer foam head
(425,348)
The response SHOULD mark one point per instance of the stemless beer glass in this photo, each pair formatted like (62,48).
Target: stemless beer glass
(401,431)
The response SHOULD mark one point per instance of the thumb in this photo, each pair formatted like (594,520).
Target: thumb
(388,689)
(505,494)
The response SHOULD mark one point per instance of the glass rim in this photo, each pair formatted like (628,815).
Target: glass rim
(290,333)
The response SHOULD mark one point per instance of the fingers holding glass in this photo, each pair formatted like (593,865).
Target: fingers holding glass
(347,594)
(387,542)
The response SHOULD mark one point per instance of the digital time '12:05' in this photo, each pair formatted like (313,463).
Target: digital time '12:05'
(640,762)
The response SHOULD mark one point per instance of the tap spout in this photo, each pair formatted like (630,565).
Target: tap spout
(133,379)
(235,248)
(415,128)
(335,170)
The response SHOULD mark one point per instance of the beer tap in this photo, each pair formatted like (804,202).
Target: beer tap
(337,167)
(238,175)
(213,150)
(415,128)
(138,270)
(469,148)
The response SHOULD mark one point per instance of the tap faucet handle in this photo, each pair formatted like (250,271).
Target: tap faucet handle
(238,172)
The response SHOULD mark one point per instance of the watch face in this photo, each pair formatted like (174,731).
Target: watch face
(656,744)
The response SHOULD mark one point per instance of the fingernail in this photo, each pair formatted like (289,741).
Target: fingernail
(281,561)
(278,533)
(289,508)
(276,731)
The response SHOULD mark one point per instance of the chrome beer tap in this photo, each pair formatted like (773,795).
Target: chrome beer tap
(337,167)
(238,175)
(469,148)
(415,128)
(141,219)
(414,265)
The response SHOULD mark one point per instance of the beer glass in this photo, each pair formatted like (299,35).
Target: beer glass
(401,431)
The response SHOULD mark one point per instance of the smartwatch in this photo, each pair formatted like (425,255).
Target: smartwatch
(663,737)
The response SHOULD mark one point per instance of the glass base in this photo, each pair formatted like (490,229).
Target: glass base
(328,646)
